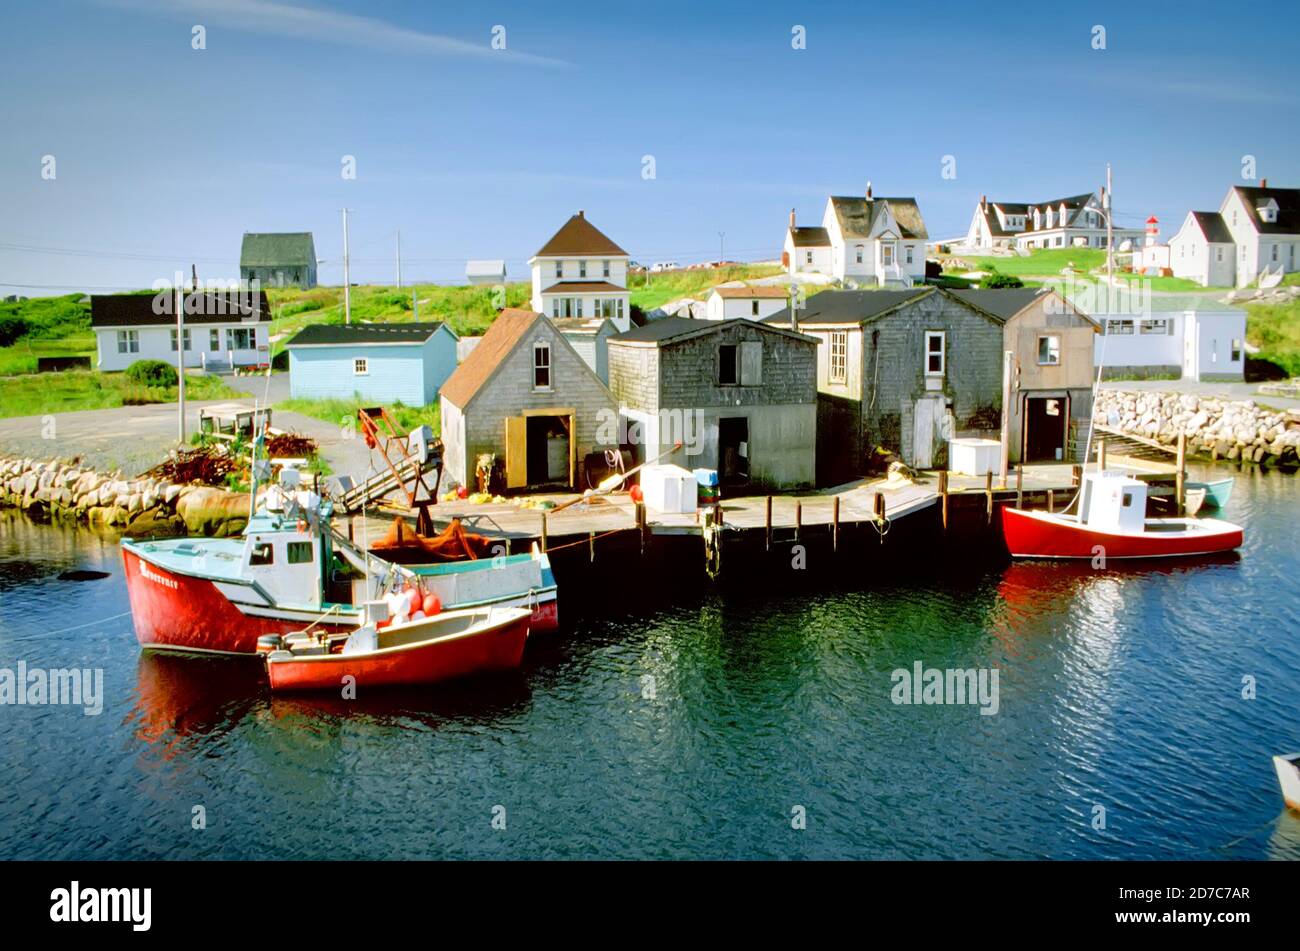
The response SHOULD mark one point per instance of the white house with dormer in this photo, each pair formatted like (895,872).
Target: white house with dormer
(864,240)
(1076,221)
(580,272)
(1265,227)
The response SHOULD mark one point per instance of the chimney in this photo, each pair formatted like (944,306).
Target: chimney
(868,189)
(194,276)
(1263,183)
(580,213)
(983,201)
(791,219)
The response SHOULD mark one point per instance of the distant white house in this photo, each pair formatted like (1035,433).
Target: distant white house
(753,301)
(1076,221)
(485,272)
(1173,336)
(865,240)
(1203,250)
(222,329)
(580,272)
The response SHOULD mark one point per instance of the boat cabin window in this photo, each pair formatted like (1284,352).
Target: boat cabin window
(1128,500)
(262,554)
(300,553)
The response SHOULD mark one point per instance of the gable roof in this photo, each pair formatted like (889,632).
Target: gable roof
(848,307)
(765,291)
(579,236)
(203,307)
(1002,302)
(857,216)
(1074,204)
(1213,227)
(330,335)
(810,237)
(672,329)
(272,249)
(1288,208)
(506,331)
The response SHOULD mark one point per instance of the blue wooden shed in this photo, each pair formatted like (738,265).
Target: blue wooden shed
(379,363)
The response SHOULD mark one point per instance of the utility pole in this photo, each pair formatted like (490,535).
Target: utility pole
(722,255)
(1008,373)
(399,258)
(347,276)
(180,362)
(1110,246)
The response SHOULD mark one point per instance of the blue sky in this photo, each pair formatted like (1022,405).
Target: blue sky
(166,155)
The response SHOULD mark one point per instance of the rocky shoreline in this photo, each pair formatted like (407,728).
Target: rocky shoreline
(1236,430)
(141,507)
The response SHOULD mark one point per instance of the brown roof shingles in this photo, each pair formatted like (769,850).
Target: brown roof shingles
(579,236)
(468,378)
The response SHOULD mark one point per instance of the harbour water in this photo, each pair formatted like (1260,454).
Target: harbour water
(689,721)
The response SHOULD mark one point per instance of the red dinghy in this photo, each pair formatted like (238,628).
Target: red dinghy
(1111,522)
(427,650)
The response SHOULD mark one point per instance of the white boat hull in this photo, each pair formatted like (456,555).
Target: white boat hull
(1288,777)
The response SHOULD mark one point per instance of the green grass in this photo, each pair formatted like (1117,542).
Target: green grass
(1047,262)
(649,291)
(1275,329)
(21,357)
(340,412)
(38,394)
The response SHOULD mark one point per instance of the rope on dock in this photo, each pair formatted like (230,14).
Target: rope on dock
(77,627)
(586,541)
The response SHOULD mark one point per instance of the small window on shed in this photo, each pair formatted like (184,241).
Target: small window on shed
(1049,350)
(360,367)
(728,365)
(541,367)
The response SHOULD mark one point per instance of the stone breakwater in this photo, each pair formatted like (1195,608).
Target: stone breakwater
(141,507)
(1219,428)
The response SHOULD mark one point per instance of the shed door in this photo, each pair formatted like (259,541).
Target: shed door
(516,452)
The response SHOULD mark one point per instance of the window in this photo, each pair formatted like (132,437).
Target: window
(857,253)
(1049,351)
(1274,252)
(620,308)
(1159,326)
(262,554)
(1128,500)
(239,338)
(187,339)
(934,352)
(555,308)
(214,339)
(582,269)
(299,553)
(128,341)
(1236,350)
(807,257)
(360,367)
(909,254)
(839,364)
(559,269)
(541,367)
(1218,254)
(728,368)
(605,268)
(1119,326)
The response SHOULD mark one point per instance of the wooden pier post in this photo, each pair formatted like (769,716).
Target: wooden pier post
(591,546)
(1020,485)
(943,497)
(1180,477)
(1101,453)
(988,497)
(879,508)
(641,525)
(1076,475)
(835,524)
(798,518)
(1051,500)
(768,523)
(543,530)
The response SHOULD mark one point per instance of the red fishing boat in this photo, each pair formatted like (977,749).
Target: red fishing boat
(423,651)
(1111,522)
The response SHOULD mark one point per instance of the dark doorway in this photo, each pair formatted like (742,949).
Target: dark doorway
(1045,419)
(548,450)
(733,449)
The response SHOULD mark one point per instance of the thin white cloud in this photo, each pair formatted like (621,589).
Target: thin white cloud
(328,26)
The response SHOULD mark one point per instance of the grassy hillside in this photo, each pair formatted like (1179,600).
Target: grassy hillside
(43,327)
(649,291)
(1275,329)
(37,394)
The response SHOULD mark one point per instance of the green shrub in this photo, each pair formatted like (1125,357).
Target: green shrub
(152,373)
(280,361)
(11,328)
(1000,280)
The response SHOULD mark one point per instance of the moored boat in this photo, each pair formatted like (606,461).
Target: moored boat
(1287,768)
(430,649)
(1217,492)
(1110,522)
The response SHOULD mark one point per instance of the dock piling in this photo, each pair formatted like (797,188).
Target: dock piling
(798,519)
(988,496)
(835,524)
(943,497)
(1051,500)
(544,532)
(768,535)
(1020,485)
(1180,476)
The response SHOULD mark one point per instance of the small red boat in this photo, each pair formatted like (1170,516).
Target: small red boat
(427,650)
(1111,522)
